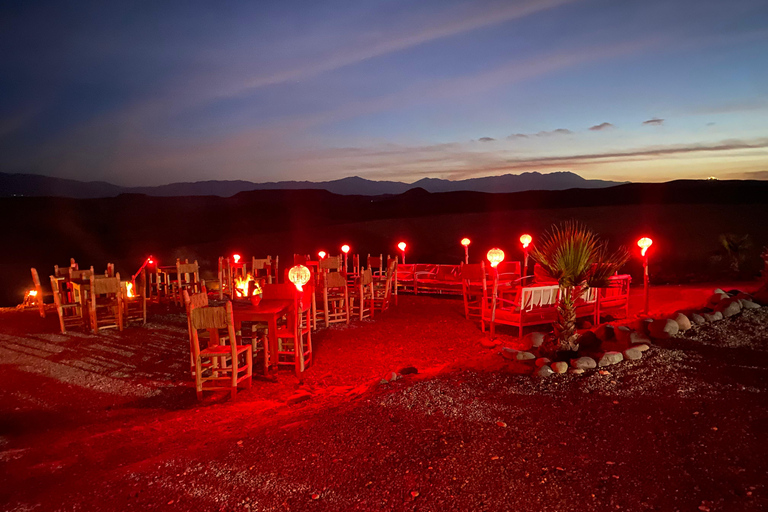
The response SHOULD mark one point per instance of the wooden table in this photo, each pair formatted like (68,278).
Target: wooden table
(268,311)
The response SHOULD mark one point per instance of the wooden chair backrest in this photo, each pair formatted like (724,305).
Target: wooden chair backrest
(330,263)
(187,268)
(197,300)
(472,273)
(82,275)
(211,317)
(366,277)
(355,263)
(334,280)
(261,263)
(105,285)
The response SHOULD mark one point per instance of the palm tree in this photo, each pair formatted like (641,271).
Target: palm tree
(736,248)
(578,260)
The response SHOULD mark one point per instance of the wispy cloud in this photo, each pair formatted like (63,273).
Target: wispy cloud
(601,126)
(447,25)
(654,122)
(486,139)
(453,161)
(557,131)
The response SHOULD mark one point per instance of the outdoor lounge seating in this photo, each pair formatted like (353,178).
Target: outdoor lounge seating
(615,298)
(442,279)
(473,285)
(532,305)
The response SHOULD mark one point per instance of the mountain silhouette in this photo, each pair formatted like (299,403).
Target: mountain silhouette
(33,185)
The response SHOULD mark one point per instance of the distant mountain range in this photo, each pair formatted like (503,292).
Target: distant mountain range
(33,185)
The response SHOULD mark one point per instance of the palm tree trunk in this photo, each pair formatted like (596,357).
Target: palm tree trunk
(565,326)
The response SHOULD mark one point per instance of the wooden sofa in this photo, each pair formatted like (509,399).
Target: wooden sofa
(531,305)
(442,279)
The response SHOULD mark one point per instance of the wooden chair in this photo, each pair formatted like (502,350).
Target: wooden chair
(106,303)
(187,278)
(218,366)
(266,268)
(382,290)
(135,298)
(70,314)
(38,292)
(197,300)
(361,295)
(294,336)
(473,286)
(335,298)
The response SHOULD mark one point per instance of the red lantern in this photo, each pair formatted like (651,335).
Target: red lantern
(525,240)
(345,248)
(644,243)
(465,242)
(495,256)
(322,254)
(299,276)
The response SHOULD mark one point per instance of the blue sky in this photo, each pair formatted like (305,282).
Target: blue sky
(146,93)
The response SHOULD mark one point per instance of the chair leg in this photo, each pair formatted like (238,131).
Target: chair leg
(249,371)
(199,378)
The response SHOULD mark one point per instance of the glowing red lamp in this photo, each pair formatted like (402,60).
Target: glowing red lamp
(465,242)
(322,255)
(525,240)
(299,276)
(644,243)
(402,246)
(236,257)
(345,250)
(495,256)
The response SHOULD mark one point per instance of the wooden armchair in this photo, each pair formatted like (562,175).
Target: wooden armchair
(361,295)
(106,303)
(70,314)
(294,336)
(196,300)
(218,366)
(335,298)
(38,292)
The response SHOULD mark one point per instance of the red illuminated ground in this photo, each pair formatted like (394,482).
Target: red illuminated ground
(110,422)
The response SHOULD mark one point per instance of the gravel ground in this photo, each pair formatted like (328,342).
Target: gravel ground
(110,422)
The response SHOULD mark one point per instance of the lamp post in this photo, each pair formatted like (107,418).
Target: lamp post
(465,242)
(526,241)
(345,250)
(402,246)
(644,243)
(495,256)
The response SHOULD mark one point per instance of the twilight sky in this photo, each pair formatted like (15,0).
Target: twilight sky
(153,92)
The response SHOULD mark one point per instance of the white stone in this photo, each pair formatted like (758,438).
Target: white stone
(610,358)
